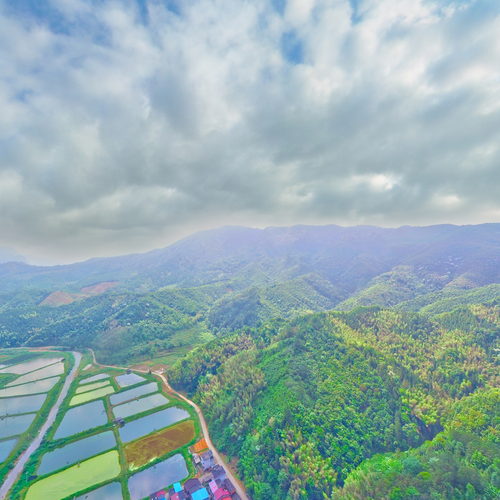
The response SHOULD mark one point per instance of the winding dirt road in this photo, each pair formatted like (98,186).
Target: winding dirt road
(16,471)
(204,427)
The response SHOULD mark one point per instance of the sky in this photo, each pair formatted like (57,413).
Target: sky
(126,125)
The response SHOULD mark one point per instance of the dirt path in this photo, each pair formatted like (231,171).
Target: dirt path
(16,471)
(204,427)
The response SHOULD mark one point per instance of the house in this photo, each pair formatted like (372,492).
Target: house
(206,477)
(192,485)
(180,495)
(177,487)
(159,495)
(219,473)
(199,446)
(207,460)
(196,459)
(229,486)
(201,494)
(222,494)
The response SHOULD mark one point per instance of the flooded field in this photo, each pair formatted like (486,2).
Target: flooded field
(133,393)
(145,450)
(158,476)
(140,405)
(12,426)
(83,418)
(89,396)
(30,388)
(23,404)
(154,422)
(91,387)
(112,491)
(6,447)
(76,452)
(48,371)
(79,477)
(129,379)
(29,366)
(94,378)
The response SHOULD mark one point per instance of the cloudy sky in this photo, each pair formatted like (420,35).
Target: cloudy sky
(125,125)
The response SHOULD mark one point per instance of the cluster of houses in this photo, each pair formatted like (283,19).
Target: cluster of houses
(211,481)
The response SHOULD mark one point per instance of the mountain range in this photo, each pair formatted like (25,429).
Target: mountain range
(233,277)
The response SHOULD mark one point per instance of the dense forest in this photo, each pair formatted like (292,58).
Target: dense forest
(303,404)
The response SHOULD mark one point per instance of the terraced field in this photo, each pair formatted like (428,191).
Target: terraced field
(115,431)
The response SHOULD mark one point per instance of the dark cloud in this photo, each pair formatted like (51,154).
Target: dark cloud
(125,126)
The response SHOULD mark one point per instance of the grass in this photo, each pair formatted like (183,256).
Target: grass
(91,387)
(145,450)
(76,478)
(89,396)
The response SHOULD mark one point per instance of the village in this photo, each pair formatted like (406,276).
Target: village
(211,481)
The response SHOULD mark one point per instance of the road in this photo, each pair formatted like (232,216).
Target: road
(237,484)
(13,475)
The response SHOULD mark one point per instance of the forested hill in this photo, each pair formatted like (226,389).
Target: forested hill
(222,280)
(339,405)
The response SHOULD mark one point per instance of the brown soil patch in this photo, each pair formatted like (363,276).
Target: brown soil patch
(98,288)
(59,298)
(144,450)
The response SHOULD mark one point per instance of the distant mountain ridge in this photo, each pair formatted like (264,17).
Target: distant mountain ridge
(234,277)
(349,256)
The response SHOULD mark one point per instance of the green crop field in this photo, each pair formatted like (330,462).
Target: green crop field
(76,478)
(89,396)
(91,387)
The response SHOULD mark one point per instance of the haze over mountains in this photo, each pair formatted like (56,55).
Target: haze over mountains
(232,277)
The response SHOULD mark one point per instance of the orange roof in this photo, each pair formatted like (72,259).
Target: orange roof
(200,446)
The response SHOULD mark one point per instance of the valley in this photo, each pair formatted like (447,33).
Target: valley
(317,361)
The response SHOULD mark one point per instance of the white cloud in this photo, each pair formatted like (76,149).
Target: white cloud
(120,129)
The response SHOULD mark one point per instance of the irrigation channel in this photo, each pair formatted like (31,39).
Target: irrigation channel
(16,471)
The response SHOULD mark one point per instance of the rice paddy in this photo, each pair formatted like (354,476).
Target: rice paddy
(89,396)
(145,450)
(12,426)
(94,378)
(91,387)
(30,388)
(140,405)
(129,379)
(82,418)
(76,478)
(150,423)
(82,450)
(48,371)
(129,394)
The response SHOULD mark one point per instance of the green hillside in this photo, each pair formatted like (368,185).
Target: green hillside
(302,404)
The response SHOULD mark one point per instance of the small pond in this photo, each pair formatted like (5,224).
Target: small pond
(30,388)
(150,423)
(129,379)
(5,448)
(158,476)
(82,418)
(76,452)
(12,426)
(121,397)
(112,491)
(29,366)
(140,405)
(94,378)
(48,371)
(23,404)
